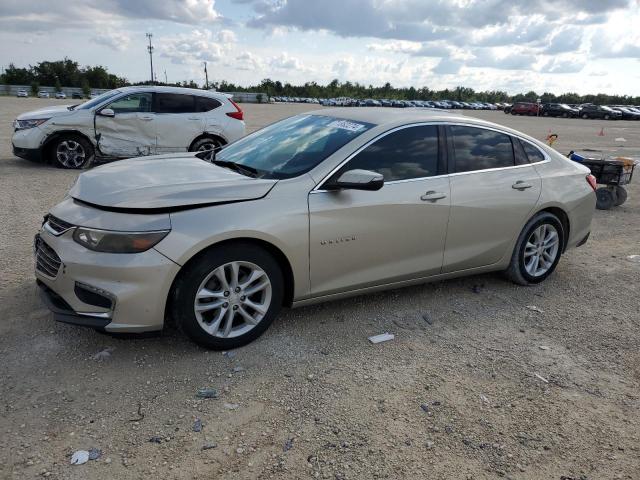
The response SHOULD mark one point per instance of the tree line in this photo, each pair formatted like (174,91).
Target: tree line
(70,74)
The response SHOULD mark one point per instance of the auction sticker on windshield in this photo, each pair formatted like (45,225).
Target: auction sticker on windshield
(346,125)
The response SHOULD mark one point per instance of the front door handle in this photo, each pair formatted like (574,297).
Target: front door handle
(146,119)
(432,196)
(520,185)
(193,118)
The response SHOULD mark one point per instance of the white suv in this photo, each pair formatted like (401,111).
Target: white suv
(129,122)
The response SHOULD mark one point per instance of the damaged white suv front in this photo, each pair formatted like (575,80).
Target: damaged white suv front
(128,122)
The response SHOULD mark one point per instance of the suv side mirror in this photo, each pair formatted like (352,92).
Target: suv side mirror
(357,180)
(107,112)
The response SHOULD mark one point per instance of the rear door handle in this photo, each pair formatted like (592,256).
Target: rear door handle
(520,185)
(432,196)
(146,119)
(193,118)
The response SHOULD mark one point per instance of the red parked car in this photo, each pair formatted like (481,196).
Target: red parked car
(524,108)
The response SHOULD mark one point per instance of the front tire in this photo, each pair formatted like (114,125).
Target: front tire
(71,151)
(537,251)
(621,195)
(605,198)
(229,296)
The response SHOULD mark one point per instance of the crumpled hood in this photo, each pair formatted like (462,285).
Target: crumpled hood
(46,112)
(165,181)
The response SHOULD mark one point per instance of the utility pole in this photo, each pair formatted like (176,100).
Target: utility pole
(206,77)
(150,50)
(165,77)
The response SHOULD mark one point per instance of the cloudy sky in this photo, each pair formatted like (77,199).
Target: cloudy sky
(587,46)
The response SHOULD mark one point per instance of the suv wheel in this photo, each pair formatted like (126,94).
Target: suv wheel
(229,296)
(537,251)
(209,145)
(607,116)
(71,151)
(585,116)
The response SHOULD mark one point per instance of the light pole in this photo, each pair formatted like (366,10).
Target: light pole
(206,77)
(150,50)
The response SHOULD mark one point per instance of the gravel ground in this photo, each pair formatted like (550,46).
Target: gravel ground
(475,385)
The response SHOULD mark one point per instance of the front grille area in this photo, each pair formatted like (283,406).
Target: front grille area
(47,260)
(57,226)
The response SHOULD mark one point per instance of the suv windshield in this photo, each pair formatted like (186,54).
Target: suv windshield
(292,146)
(98,100)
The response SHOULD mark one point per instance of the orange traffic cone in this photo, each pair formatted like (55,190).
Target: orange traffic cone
(601,134)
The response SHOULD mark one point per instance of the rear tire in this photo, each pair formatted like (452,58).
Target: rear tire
(585,116)
(200,287)
(541,237)
(607,117)
(207,144)
(621,195)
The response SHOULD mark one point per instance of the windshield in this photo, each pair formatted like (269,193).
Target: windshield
(97,101)
(292,146)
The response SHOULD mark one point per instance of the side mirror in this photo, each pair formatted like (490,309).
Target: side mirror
(357,180)
(107,112)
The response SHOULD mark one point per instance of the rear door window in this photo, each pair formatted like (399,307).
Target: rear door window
(174,103)
(480,149)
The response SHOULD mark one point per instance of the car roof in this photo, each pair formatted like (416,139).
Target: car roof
(386,118)
(180,90)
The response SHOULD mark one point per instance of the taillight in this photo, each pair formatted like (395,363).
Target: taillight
(591,180)
(238,114)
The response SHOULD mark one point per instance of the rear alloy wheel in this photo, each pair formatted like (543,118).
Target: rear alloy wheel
(585,116)
(537,251)
(209,146)
(71,151)
(605,198)
(607,117)
(621,195)
(229,296)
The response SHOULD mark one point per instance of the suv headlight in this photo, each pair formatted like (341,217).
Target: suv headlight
(117,242)
(24,124)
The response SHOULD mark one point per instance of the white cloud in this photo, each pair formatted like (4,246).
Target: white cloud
(286,62)
(118,41)
(196,46)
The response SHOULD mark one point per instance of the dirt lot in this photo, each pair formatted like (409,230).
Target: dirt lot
(458,396)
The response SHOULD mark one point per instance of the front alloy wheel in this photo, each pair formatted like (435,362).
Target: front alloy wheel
(232,299)
(72,152)
(228,296)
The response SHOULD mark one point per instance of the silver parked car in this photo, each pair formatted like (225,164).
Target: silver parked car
(315,207)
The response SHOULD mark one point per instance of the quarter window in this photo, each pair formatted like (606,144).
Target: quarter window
(136,102)
(408,153)
(480,149)
(205,104)
(532,152)
(174,103)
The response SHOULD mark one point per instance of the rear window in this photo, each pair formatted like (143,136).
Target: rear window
(174,103)
(480,149)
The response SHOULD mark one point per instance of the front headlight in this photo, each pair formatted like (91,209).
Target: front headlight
(24,124)
(117,242)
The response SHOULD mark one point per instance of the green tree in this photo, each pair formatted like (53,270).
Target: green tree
(86,88)
(35,88)
(58,85)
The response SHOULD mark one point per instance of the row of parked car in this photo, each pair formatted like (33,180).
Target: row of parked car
(22,93)
(370,102)
(585,110)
